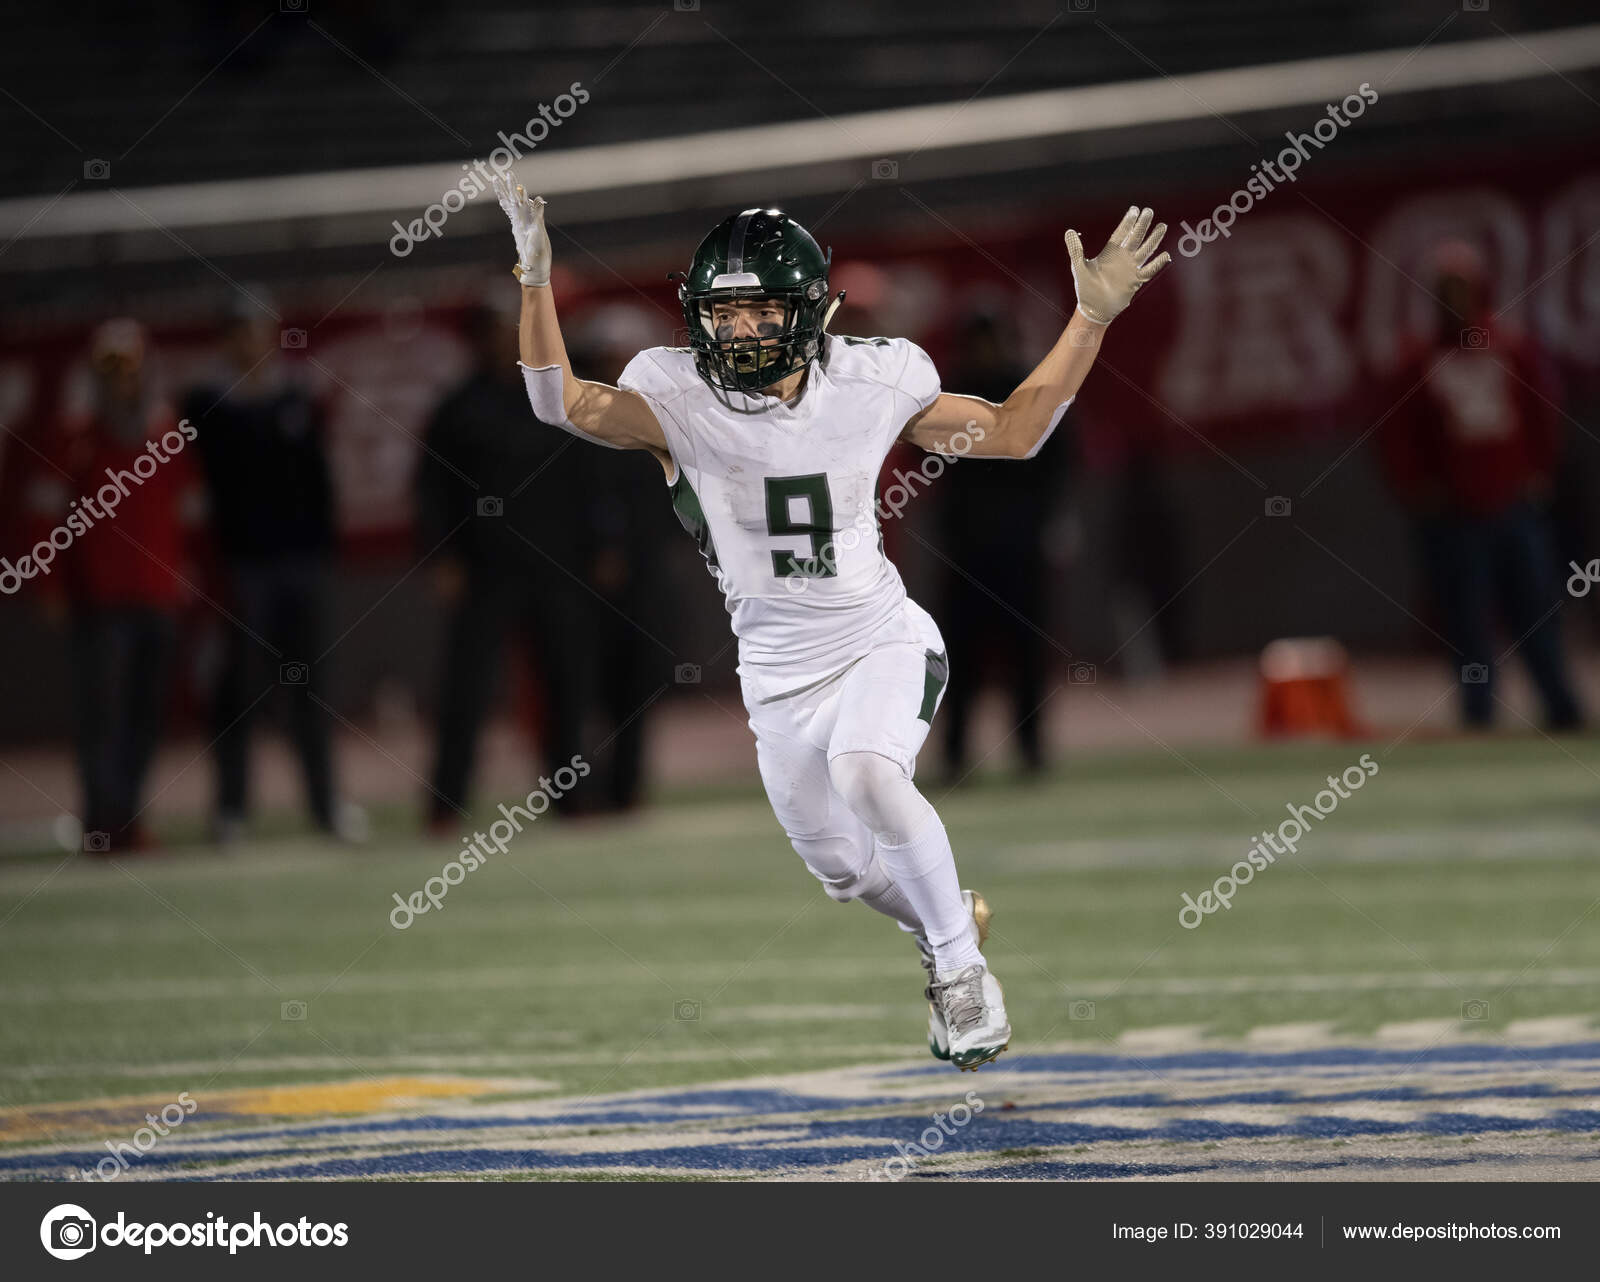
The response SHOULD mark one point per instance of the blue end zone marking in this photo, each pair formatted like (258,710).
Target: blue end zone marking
(1064,1171)
(1278,1168)
(995,1130)
(984,1135)
(1329,1056)
(737,1114)
(1385,1094)
(700,1158)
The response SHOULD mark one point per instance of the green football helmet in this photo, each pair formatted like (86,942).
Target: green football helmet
(754,255)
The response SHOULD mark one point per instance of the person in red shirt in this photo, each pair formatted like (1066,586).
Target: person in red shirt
(1471,450)
(111,516)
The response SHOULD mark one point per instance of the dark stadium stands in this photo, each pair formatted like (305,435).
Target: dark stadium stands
(432,82)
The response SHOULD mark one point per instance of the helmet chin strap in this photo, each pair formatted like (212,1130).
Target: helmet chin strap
(832,308)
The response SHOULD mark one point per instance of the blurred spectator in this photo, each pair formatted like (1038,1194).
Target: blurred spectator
(121,481)
(261,445)
(630,520)
(1470,448)
(1146,553)
(502,511)
(993,519)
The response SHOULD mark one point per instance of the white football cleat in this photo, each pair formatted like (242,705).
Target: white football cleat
(938,1030)
(975,1011)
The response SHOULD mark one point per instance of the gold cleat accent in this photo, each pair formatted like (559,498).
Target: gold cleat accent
(980,916)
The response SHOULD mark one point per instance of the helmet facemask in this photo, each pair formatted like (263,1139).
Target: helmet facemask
(779,346)
(750,362)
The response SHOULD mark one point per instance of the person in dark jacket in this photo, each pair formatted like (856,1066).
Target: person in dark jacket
(995,516)
(262,449)
(1471,450)
(501,517)
(629,523)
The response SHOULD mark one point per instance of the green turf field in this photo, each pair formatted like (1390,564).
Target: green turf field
(690,944)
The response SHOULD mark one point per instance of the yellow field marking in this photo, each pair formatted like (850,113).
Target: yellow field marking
(312,1099)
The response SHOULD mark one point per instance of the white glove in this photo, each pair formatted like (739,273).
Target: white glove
(527,225)
(1106,284)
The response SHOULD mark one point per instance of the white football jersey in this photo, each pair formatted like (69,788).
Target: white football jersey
(782,499)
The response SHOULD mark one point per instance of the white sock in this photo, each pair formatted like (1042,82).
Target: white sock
(880,893)
(924,869)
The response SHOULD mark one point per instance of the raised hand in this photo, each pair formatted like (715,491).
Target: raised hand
(1107,283)
(527,225)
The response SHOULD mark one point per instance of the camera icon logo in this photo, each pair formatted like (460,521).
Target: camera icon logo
(1084,338)
(291,6)
(1278,505)
(1475,1010)
(293,340)
(687,674)
(1474,338)
(490,505)
(889,169)
(685,1011)
(1475,674)
(294,674)
(96,843)
(293,1010)
(1081,674)
(1080,1009)
(68,1232)
(96,171)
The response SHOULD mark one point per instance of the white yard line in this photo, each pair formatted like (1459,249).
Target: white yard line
(1163,1037)
(690,973)
(1290,1036)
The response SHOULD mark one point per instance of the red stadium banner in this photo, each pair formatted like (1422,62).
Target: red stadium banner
(1276,328)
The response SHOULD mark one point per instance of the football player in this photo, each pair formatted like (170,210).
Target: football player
(771,433)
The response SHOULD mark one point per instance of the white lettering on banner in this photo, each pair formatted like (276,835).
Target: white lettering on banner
(1259,323)
(1569,299)
(380,391)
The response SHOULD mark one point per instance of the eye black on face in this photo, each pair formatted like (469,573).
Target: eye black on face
(766,310)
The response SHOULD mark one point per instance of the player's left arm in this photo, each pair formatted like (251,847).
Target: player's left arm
(1017,427)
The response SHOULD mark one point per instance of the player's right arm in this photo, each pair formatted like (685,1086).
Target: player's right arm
(597,411)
